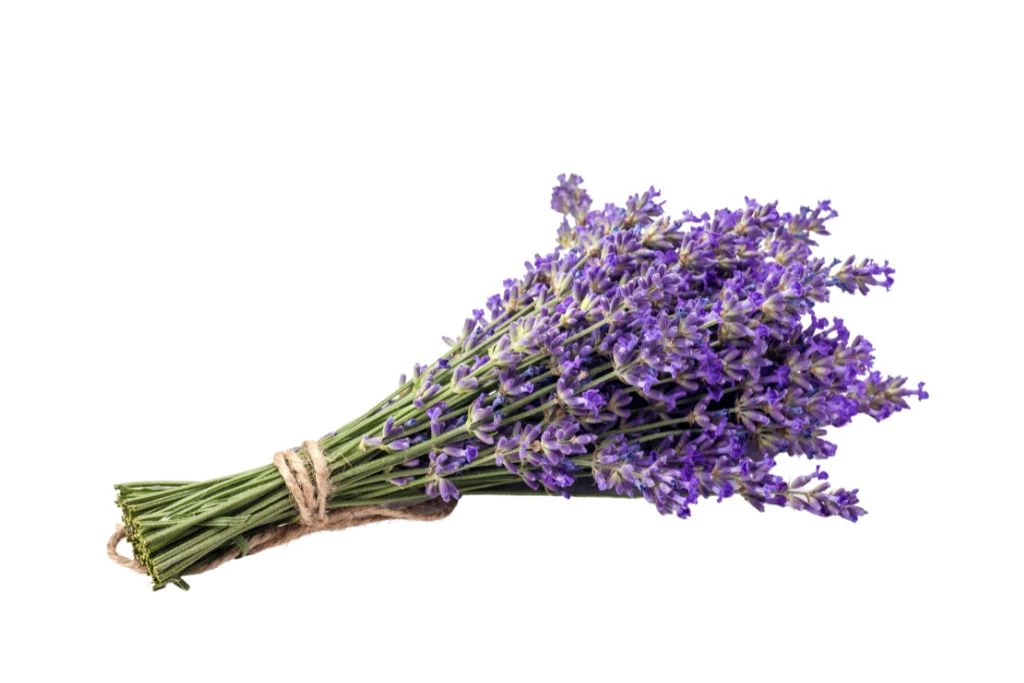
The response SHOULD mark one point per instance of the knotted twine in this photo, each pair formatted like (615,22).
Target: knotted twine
(310,493)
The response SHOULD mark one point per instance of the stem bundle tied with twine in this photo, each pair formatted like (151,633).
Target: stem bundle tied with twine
(306,474)
(672,360)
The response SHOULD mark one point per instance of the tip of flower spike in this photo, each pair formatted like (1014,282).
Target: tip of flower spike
(569,198)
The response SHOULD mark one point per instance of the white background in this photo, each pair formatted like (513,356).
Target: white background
(228,227)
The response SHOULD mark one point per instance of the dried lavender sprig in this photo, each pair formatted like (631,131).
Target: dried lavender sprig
(666,359)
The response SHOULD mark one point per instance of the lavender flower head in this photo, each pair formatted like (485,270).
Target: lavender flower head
(669,359)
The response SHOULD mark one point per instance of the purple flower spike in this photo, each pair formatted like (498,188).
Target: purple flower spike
(671,359)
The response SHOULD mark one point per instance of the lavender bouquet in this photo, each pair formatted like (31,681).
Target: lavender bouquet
(667,359)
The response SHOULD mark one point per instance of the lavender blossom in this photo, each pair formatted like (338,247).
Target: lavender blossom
(668,359)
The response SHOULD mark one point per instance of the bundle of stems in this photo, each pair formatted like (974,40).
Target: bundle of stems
(175,526)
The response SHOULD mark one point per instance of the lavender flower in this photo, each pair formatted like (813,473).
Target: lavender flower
(669,359)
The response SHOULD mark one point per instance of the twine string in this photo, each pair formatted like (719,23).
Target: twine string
(310,492)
